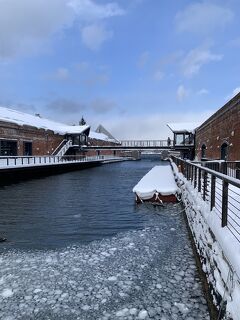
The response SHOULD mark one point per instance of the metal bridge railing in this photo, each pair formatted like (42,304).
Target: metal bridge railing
(146,143)
(44,160)
(219,191)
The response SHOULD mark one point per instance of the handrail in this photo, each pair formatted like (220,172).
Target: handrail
(13,161)
(59,146)
(219,190)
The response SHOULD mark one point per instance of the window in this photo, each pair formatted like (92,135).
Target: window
(179,138)
(27,148)
(8,148)
(203,151)
(224,151)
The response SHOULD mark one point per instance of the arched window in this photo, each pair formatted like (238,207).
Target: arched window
(224,151)
(203,149)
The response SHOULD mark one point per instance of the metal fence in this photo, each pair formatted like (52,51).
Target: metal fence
(44,160)
(231,168)
(146,143)
(218,190)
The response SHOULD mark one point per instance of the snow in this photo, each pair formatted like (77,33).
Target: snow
(100,136)
(218,245)
(159,179)
(20,118)
(183,127)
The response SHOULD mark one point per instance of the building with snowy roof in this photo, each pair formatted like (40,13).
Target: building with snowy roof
(22,134)
(184,138)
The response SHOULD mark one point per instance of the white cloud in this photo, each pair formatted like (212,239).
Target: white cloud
(158,75)
(91,11)
(143,59)
(202,92)
(26,26)
(196,58)
(61,74)
(233,94)
(93,36)
(182,93)
(151,126)
(203,18)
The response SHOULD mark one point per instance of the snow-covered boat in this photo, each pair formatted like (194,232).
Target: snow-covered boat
(157,186)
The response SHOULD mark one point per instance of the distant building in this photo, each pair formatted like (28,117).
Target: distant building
(184,138)
(219,136)
(22,134)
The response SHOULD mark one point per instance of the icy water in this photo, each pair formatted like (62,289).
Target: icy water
(79,248)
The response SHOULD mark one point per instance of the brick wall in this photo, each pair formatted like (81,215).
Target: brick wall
(44,142)
(222,127)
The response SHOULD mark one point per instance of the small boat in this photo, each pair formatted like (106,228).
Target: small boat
(157,186)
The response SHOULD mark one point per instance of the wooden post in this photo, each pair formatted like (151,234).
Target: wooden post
(224,203)
(213,189)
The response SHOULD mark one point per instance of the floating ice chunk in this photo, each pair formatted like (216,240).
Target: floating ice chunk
(133,311)
(142,314)
(159,286)
(37,290)
(182,307)
(173,229)
(86,307)
(113,278)
(122,313)
(6,293)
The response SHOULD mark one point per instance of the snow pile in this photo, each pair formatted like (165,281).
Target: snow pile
(20,118)
(159,179)
(219,249)
(131,276)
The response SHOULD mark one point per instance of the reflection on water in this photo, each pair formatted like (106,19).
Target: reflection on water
(76,207)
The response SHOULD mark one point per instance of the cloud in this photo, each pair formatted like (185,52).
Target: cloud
(101,105)
(203,18)
(196,58)
(150,126)
(27,26)
(202,92)
(90,11)
(93,36)
(143,59)
(158,75)
(65,106)
(233,94)
(61,74)
(182,93)
(97,79)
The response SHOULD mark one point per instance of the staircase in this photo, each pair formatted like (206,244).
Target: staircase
(62,148)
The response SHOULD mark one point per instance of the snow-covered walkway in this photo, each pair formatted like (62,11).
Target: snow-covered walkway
(139,274)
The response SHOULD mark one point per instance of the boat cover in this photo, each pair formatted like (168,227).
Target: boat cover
(160,180)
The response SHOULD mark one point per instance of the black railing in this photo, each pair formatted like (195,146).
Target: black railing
(230,168)
(221,192)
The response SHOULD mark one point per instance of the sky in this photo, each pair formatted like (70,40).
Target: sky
(131,65)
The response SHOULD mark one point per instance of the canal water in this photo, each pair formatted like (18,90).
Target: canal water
(79,248)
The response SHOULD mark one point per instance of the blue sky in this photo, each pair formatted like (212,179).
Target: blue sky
(131,65)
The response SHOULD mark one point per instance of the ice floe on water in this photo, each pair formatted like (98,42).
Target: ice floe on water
(139,274)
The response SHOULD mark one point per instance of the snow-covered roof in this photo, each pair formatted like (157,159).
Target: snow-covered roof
(183,127)
(21,118)
(100,136)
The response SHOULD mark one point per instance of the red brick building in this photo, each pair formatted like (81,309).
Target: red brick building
(219,136)
(22,134)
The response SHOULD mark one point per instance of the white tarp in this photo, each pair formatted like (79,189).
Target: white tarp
(159,179)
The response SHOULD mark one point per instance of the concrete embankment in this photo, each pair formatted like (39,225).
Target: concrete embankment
(19,173)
